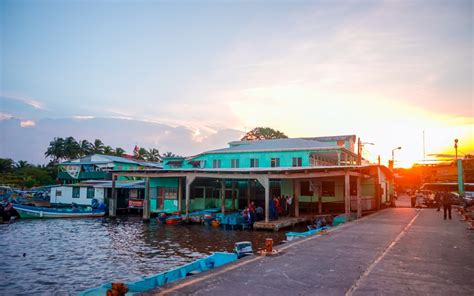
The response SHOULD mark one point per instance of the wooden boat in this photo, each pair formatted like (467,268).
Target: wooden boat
(174,219)
(39,212)
(212,261)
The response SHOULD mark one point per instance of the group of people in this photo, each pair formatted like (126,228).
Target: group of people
(281,206)
(252,213)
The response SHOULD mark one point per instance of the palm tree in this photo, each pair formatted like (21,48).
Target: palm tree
(22,164)
(98,146)
(55,150)
(153,155)
(169,154)
(86,147)
(109,150)
(119,151)
(71,148)
(142,154)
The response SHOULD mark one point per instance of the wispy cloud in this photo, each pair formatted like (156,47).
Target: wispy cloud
(24,99)
(27,123)
(4,116)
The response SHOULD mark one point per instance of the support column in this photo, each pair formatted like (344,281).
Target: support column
(113,199)
(223,196)
(248,191)
(266,185)
(146,202)
(233,195)
(359,199)
(338,157)
(347,195)
(297,197)
(320,200)
(180,195)
(189,181)
(345,159)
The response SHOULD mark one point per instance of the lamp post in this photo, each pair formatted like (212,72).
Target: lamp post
(359,150)
(393,154)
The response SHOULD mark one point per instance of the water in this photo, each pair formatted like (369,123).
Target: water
(65,256)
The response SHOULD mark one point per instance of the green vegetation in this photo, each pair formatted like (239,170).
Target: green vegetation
(61,149)
(25,175)
(263,133)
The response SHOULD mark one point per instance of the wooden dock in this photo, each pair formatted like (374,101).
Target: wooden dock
(280,223)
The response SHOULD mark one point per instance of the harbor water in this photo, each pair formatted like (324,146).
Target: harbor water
(65,256)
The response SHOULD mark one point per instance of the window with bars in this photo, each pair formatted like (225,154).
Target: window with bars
(254,162)
(216,163)
(297,161)
(234,163)
(275,162)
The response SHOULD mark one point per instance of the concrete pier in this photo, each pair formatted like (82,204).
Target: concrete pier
(400,251)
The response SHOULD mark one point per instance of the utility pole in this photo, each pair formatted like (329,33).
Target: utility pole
(456,148)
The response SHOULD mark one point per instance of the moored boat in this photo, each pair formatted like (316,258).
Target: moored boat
(294,235)
(39,212)
(212,261)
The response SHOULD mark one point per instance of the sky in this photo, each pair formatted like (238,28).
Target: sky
(387,71)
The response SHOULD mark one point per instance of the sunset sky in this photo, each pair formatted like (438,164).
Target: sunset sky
(383,70)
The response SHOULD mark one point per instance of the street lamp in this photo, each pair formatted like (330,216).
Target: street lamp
(393,154)
(359,150)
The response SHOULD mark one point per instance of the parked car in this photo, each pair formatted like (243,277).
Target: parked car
(468,198)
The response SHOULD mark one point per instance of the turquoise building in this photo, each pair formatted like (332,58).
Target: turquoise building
(324,175)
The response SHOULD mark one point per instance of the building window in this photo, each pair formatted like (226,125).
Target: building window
(254,162)
(59,193)
(328,188)
(275,162)
(297,161)
(216,163)
(76,192)
(306,188)
(90,192)
(234,163)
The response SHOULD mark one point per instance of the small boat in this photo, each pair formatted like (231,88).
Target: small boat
(39,212)
(212,261)
(174,219)
(294,235)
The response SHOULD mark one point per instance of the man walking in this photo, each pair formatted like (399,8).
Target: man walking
(446,204)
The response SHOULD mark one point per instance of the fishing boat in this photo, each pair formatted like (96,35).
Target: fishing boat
(39,212)
(294,235)
(212,261)
(243,249)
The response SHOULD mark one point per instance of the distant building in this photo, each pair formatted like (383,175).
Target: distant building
(130,193)
(99,167)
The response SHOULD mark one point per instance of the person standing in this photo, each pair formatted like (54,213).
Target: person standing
(438,200)
(446,205)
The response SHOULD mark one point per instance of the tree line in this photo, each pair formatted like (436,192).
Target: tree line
(25,175)
(61,149)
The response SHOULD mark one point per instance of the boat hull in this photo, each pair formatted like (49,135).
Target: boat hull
(215,260)
(29,212)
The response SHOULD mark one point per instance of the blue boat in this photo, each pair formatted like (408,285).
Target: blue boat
(39,212)
(212,261)
(294,235)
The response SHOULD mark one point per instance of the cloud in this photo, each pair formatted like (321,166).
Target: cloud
(24,99)
(27,123)
(4,116)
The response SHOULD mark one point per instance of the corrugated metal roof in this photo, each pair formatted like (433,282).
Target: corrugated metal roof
(111,158)
(276,145)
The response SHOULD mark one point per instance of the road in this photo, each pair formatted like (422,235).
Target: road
(399,251)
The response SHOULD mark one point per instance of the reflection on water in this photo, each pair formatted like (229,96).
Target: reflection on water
(66,256)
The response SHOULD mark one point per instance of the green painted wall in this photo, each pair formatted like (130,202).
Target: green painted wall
(264,158)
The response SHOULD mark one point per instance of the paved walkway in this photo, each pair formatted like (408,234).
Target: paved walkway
(401,251)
